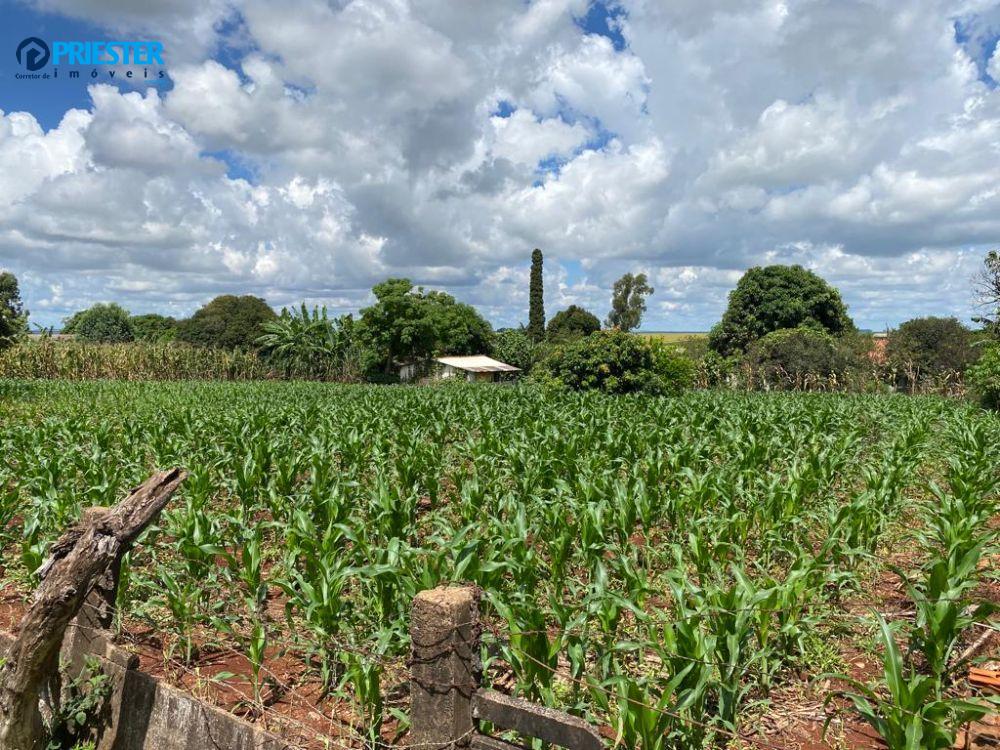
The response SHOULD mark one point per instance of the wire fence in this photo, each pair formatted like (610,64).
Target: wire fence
(324,727)
(347,729)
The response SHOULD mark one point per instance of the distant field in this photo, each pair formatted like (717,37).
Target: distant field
(674,335)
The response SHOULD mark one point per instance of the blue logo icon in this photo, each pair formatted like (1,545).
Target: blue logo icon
(35,53)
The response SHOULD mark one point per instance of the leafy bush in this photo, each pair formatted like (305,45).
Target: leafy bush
(672,367)
(775,297)
(984,377)
(227,322)
(789,355)
(154,328)
(617,362)
(925,348)
(572,322)
(516,347)
(101,324)
(79,714)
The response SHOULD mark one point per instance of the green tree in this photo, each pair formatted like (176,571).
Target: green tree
(154,328)
(573,322)
(774,297)
(988,291)
(227,322)
(13,316)
(458,327)
(628,302)
(515,347)
(398,327)
(536,298)
(105,323)
(410,325)
(929,347)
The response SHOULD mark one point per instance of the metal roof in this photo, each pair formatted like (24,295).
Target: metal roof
(478,363)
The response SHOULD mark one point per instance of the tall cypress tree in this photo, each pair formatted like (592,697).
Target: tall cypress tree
(536,302)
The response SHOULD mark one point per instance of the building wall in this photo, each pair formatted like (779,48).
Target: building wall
(407,373)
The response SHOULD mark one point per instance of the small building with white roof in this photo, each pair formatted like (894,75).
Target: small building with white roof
(478,368)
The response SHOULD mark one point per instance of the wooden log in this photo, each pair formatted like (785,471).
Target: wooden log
(77,560)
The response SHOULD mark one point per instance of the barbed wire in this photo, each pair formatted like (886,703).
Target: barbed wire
(700,615)
(265,708)
(382,659)
(597,686)
(589,684)
(355,735)
(594,685)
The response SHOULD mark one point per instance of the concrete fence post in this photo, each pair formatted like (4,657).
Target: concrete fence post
(445,666)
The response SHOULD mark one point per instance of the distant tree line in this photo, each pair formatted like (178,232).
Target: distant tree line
(405,324)
(783,327)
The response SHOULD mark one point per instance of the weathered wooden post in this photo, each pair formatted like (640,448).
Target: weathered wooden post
(445,666)
(77,560)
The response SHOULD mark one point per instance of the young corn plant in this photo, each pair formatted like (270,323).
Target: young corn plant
(182,598)
(911,713)
(646,716)
(316,594)
(531,652)
(256,650)
(944,610)
(362,678)
(686,649)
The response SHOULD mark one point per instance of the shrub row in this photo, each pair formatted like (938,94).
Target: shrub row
(616,362)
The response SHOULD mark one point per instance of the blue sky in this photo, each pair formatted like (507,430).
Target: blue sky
(306,151)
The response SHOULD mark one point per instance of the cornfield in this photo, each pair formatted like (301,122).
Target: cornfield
(671,568)
(77,360)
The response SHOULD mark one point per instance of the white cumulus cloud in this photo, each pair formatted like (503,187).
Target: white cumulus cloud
(337,143)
